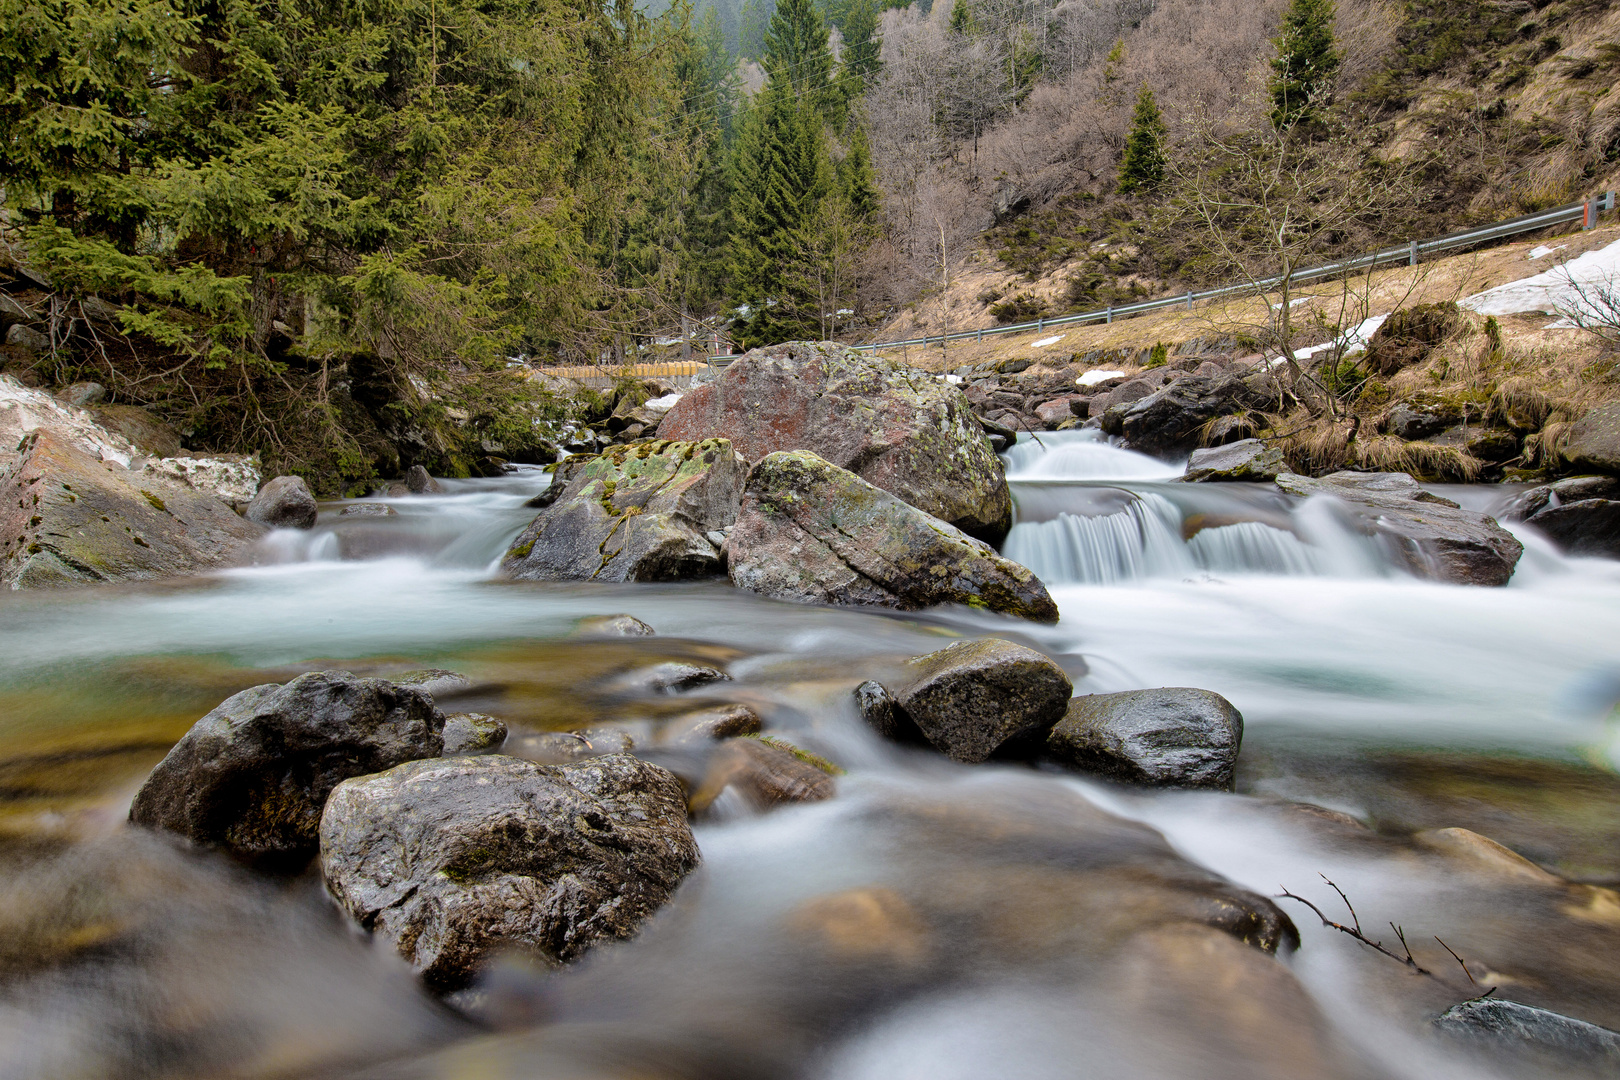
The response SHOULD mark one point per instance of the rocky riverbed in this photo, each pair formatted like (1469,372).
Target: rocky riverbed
(741,751)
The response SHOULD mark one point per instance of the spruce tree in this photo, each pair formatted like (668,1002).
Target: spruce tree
(861,48)
(1143,167)
(797,51)
(961,17)
(1306,62)
(857,181)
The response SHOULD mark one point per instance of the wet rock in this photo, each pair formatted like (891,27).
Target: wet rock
(418,482)
(368,509)
(897,428)
(1526,504)
(67,519)
(1169,420)
(996,430)
(1593,442)
(635,513)
(882,712)
(1432,536)
(455,859)
(1585,527)
(1501,1024)
(671,677)
(1125,394)
(612,626)
(972,698)
(707,725)
(1171,737)
(253,774)
(812,533)
(1247,459)
(469,733)
(283,503)
(765,774)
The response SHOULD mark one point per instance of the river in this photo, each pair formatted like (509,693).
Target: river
(1397,707)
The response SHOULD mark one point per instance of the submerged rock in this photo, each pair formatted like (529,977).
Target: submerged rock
(612,626)
(68,519)
(1433,537)
(1246,459)
(639,512)
(765,773)
(1175,737)
(708,725)
(813,533)
(897,428)
(670,677)
(566,747)
(253,775)
(1501,1024)
(972,698)
(455,859)
(470,733)
(283,503)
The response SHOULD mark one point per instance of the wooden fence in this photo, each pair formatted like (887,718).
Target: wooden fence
(677,373)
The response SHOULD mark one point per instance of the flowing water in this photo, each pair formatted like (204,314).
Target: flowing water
(933,920)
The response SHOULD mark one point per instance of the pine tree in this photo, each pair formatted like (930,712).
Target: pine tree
(1306,62)
(1143,167)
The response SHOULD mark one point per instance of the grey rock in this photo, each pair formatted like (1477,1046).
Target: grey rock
(897,428)
(612,626)
(1169,420)
(765,772)
(1404,422)
(418,482)
(13,310)
(253,775)
(83,394)
(1174,736)
(26,337)
(1498,1023)
(68,519)
(974,697)
(470,733)
(455,859)
(283,503)
(707,725)
(881,711)
(1246,459)
(1007,202)
(1585,527)
(671,677)
(1593,442)
(639,512)
(368,509)
(811,532)
(1432,536)
(1534,500)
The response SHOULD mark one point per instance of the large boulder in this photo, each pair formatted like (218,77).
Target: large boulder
(24,409)
(974,697)
(899,429)
(1176,737)
(283,503)
(1433,537)
(68,519)
(1246,459)
(1581,515)
(640,512)
(455,859)
(1593,441)
(253,775)
(814,533)
(1409,335)
(1170,420)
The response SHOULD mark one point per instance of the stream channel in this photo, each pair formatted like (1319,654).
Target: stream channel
(1393,707)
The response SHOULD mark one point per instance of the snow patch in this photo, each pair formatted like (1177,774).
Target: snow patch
(1353,339)
(1092,378)
(1045,341)
(1555,290)
(1544,250)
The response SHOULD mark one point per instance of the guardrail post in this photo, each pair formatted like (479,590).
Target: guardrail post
(981,335)
(1589,214)
(1412,253)
(1040,323)
(1110,314)
(1189,301)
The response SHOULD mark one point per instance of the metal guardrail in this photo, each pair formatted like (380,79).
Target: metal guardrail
(1411,252)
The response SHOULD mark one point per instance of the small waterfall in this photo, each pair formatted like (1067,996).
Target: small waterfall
(1143,540)
(1082,455)
(1250,547)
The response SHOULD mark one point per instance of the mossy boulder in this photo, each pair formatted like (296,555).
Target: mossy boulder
(1593,443)
(68,519)
(455,859)
(253,775)
(1409,335)
(811,532)
(640,512)
(899,429)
